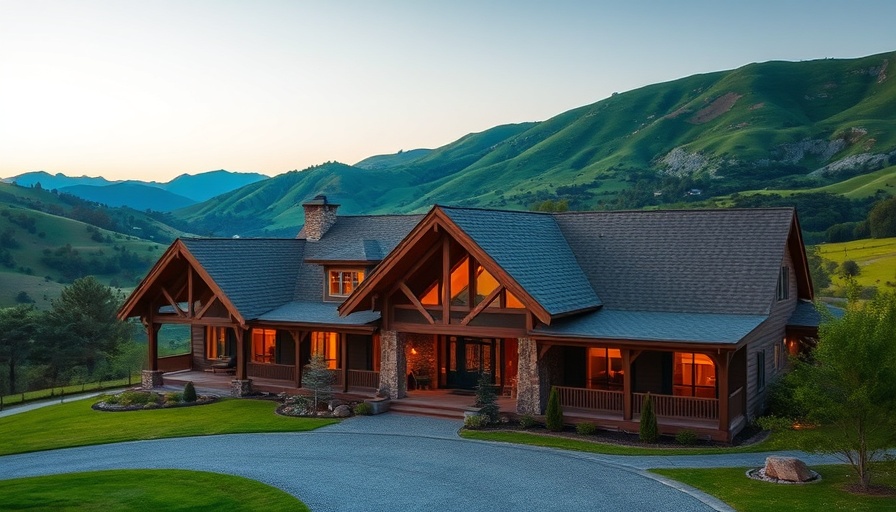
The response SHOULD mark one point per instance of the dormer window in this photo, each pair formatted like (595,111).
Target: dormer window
(344,281)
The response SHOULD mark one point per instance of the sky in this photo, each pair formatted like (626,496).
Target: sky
(154,89)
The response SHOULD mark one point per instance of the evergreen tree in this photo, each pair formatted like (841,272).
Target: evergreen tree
(17,329)
(189,392)
(318,379)
(486,399)
(554,414)
(648,429)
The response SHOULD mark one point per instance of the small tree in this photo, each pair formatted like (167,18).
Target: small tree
(648,430)
(318,379)
(849,268)
(189,392)
(848,387)
(554,415)
(486,399)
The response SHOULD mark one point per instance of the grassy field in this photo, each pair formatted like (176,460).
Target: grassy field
(734,488)
(857,187)
(62,391)
(76,424)
(876,259)
(139,490)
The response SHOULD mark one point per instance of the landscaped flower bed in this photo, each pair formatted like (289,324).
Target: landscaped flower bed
(138,400)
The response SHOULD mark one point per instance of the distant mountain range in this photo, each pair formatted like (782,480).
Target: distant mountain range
(180,192)
(700,140)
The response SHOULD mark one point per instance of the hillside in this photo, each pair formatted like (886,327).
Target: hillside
(790,126)
(132,194)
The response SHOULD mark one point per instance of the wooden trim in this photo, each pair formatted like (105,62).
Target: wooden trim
(343,363)
(797,248)
(190,291)
(416,302)
(205,308)
(446,280)
(181,313)
(627,361)
(242,354)
(667,346)
(457,330)
(482,305)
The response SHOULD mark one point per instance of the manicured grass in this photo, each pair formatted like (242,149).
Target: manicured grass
(76,424)
(581,445)
(149,490)
(733,487)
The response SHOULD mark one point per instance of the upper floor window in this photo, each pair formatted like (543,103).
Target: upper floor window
(783,283)
(343,282)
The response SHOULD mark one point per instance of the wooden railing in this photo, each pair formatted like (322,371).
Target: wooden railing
(736,403)
(175,363)
(273,371)
(679,406)
(597,399)
(363,379)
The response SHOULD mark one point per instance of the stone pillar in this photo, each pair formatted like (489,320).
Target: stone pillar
(240,388)
(528,392)
(151,379)
(393,365)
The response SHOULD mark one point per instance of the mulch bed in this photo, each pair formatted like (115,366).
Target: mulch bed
(109,407)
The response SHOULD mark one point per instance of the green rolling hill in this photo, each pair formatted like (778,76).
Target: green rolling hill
(820,126)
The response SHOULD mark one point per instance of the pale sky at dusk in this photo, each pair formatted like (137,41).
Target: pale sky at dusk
(153,89)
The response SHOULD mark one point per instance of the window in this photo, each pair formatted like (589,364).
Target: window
(326,344)
(605,368)
(344,282)
(216,346)
(693,375)
(783,283)
(264,345)
(760,370)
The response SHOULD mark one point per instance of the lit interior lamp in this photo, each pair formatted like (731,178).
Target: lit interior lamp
(414,351)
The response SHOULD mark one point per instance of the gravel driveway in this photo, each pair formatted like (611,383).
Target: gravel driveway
(391,462)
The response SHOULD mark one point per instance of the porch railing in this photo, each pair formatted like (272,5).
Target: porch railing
(597,399)
(363,379)
(273,371)
(688,407)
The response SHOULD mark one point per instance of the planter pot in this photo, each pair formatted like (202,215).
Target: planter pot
(378,405)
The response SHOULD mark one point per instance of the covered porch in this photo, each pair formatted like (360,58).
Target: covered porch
(223,382)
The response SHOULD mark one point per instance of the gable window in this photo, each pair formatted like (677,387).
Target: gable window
(326,344)
(693,375)
(783,283)
(343,282)
(264,345)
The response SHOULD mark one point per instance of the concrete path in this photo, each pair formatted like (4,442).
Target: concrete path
(392,462)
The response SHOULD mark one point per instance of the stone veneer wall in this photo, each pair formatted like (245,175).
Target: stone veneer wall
(528,396)
(424,361)
(318,219)
(393,364)
(151,379)
(240,388)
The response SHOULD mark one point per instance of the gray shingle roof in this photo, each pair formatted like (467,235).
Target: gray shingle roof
(256,274)
(655,326)
(361,238)
(323,313)
(532,250)
(699,261)
(807,315)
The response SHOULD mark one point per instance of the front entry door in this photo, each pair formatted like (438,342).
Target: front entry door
(468,358)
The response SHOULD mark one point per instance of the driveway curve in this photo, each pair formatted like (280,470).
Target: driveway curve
(390,462)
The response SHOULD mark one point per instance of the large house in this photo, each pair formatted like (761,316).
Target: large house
(699,308)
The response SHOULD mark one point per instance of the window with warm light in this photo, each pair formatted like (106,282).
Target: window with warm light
(216,343)
(326,344)
(694,375)
(605,368)
(264,346)
(344,282)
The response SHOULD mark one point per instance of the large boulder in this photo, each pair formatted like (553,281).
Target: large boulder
(789,469)
(342,411)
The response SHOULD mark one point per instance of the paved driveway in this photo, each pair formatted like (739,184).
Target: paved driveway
(390,462)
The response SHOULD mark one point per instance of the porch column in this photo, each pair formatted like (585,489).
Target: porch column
(528,385)
(152,335)
(724,395)
(241,354)
(343,357)
(626,384)
(297,339)
(393,364)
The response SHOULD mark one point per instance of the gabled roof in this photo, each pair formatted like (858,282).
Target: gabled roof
(611,324)
(807,314)
(361,238)
(256,274)
(700,261)
(531,249)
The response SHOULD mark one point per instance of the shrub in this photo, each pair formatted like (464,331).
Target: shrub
(586,428)
(527,421)
(189,393)
(475,422)
(486,399)
(648,431)
(363,409)
(686,437)
(174,397)
(554,415)
(137,398)
(774,423)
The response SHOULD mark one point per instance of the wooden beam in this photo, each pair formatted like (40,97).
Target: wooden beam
(241,354)
(724,398)
(189,291)
(482,305)
(542,350)
(627,361)
(416,302)
(297,337)
(207,305)
(446,280)
(343,346)
(173,304)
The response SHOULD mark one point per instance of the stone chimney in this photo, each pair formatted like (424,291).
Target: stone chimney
(319,217)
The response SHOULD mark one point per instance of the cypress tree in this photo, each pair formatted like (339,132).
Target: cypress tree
(554,415)
(189,393)
(649,432)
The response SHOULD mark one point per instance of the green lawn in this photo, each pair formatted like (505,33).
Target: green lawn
(734,488)
(76,424)
(149,490)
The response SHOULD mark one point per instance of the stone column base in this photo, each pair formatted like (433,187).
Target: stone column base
(151,379)
(240,388)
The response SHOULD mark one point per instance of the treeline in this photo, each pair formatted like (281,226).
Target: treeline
(78,340)
(72,265)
